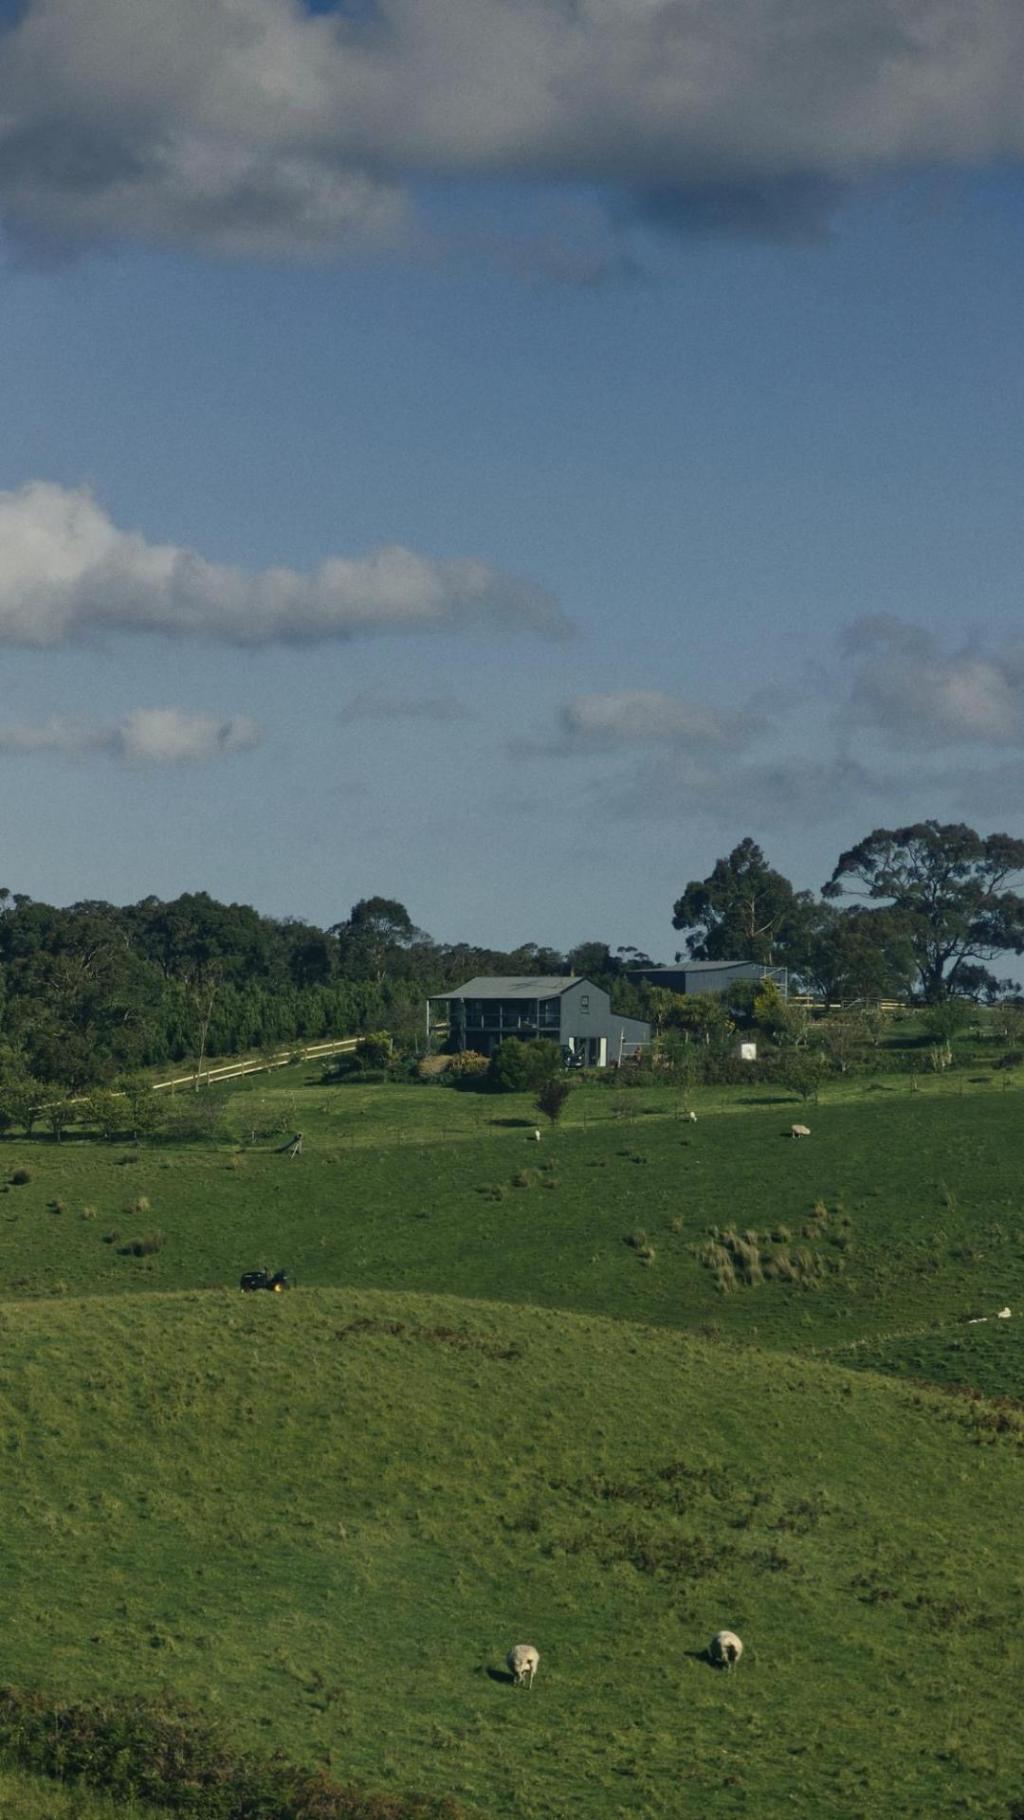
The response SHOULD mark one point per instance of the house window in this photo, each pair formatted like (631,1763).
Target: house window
(584,1001)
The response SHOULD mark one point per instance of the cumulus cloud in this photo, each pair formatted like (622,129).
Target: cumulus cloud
(620,719)
(917,694)
(146,736)
(265,127)
(67,571)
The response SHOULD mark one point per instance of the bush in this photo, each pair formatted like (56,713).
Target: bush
(552,1097)
(142,1248)
(167,1754)
(20,1176)
(517,1067)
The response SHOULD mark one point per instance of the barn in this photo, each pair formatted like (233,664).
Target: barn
(708,976)
(569,1010)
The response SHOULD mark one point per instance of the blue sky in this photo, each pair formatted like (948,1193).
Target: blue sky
(678,380)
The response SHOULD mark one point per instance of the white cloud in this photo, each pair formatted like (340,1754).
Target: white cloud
(621,719)
(66,571)
(918,695)
(146,736)
(254,127)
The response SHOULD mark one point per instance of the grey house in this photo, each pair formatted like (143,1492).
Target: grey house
(571,1011)
(709,976)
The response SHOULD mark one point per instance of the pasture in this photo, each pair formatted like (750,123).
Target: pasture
(517,1396)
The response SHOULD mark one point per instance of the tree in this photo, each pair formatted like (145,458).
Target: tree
(857,953)
(951,890)
(594,961)
(744,911)
(59,1111)
(21,1098)
(702,1014)
(552,1097)
(378,928)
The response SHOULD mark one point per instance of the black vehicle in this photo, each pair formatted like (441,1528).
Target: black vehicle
(262,1279)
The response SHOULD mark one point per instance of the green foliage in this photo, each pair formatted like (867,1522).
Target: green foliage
(21,1098)
(951,891)
(743,911)
(518,1067)
(552,1097)
(802,1071)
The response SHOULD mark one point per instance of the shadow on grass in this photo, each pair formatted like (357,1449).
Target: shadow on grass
(703,1656)
(502,1675)
(767,1099)
(515,1124)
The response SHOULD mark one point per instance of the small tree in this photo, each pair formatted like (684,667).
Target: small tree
(59,1113)
(552,1097)
(107,1111)
(802,1071)
(22,1097)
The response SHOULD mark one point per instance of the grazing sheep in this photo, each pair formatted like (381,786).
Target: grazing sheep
(692,1117)
(799,1131)
(725,1649)
(522,1663)
(1004,1314)
(536,1137)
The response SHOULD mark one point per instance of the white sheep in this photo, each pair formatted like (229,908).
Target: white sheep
(536,1137)
(799,1131)
(725,1649)
(522,1662)
(692,1118)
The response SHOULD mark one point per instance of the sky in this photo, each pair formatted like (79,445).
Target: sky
(497,454)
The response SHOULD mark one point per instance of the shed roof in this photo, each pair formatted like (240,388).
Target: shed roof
(537,985)
(689,966)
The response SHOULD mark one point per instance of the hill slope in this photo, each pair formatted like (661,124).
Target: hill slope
(327,1516)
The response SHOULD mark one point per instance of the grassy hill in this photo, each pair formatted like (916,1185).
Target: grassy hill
(605,1393)
(900,1214)
(327,1516)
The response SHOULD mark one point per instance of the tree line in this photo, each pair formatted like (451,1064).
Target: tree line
(94,992)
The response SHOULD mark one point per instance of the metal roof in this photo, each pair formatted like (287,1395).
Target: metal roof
(538,985)
(699,967)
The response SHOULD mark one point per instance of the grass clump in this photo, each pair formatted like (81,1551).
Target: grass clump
(144,1247)
(639,1243)
(20,1176)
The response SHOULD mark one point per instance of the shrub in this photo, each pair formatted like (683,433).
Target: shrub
(516,1067)
(466,1065)
(165,1753)
(552,1097)
(142,1248)
(20,1176)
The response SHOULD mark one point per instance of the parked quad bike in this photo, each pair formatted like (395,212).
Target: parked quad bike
(262,1279)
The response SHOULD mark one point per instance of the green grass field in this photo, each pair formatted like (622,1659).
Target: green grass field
(509,1401)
